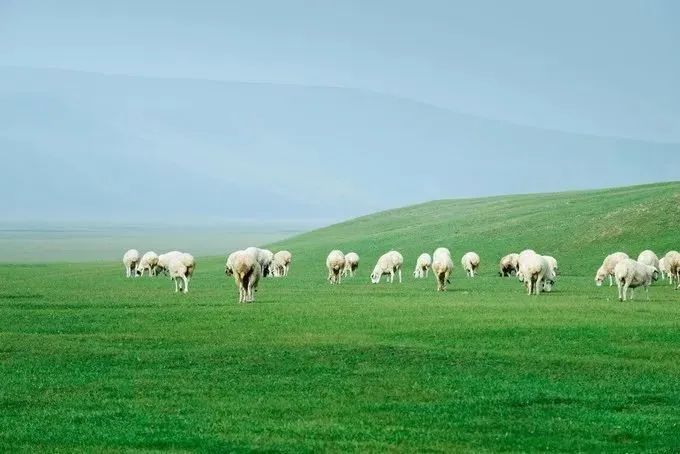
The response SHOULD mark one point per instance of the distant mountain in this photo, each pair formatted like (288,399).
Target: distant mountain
(90,146)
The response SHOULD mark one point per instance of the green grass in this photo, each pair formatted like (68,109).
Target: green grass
(90,361)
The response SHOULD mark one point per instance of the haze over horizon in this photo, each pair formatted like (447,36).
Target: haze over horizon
(327,110)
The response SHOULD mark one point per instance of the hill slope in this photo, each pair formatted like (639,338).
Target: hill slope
(579,228)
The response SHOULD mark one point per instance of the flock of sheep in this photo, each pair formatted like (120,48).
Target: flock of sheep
(537,272)
(630,274)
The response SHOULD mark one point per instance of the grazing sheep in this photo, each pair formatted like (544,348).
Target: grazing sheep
(229,265)
(673,265)
(335,263)
(423,265)
(550,274)
(470,263)
(281,263)
(263,256)
(665,269)
(533,269)
(190,263)
(509,265)
(247,271)
(649,258)
(131,260)
(388,263)
(178,272)
(632,274)
(442,267)
(552,263)
(440,251)
(523,256)
(607,268)
(148,262)
(351,264)
(164,261)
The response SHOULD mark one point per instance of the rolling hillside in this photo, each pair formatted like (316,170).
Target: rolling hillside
(579,228)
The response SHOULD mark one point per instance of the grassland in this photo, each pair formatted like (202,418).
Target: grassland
(90,361)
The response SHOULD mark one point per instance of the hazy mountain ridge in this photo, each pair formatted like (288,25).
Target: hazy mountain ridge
(98,146)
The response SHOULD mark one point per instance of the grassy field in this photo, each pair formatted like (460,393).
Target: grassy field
(90,361)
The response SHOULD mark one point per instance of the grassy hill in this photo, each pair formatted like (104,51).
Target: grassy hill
(578,228)
(90,361)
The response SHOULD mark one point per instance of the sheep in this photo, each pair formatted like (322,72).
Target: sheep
(229,265)
(607,268)
(439,252)
(649,258)
(263,256)
(523,256)
(247,272)
(664,269)
(552,263)
(351,264)
(632,274)
(533,269)
(148,262)
(178,273)
(281,263)
(131,261)
(470,263)
(164,261)
(550,274)
(509,265)
(423,265)
(335,263)
(673,265)
(388,263)
(442,267)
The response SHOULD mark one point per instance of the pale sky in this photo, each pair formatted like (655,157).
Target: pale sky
(566,95)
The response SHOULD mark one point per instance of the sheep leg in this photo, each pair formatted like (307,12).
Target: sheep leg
(618,284)
(391,276)
(625,290)
(400,275)
(176,289)
(186,284)
(611,282)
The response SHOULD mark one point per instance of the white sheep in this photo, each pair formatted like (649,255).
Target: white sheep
(632,274)
(550,274)
(552,263)
(281,263)
(130,261)
(263,256)
(522,256)
(664,269)
(673,265)
(470,263)
(247,271)
(335,263)
(532,272)
(229,265)
(351,264)
(164,261)
(648,257)
(607,267)
(442,267)
(179,274)
(423,265)
(148,262)
(389,263)
(509,265)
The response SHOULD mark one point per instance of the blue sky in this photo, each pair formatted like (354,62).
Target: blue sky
(605,68)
